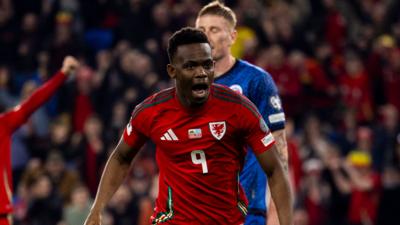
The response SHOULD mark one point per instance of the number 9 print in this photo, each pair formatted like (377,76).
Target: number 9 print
(199,157)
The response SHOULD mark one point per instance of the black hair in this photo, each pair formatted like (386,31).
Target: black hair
(184,36)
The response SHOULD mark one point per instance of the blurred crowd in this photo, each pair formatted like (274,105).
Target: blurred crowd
(336,64)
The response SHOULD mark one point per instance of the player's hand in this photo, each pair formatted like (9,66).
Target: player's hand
(94,218)
(69,65)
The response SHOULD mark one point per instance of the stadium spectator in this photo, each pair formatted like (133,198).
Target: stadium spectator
(391,79)
(355,90)
(314,192)
(317,90)
(63,180)
(12,120)
(92,150)
(75,212)
(45,205)
(365,185)
(287,79)
(122,207)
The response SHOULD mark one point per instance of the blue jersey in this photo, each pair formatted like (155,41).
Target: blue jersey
(259,87)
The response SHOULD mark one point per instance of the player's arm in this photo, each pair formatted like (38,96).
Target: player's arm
(356,179)
(278,183)
(281,147)
(117,166)
(113,175)
(262,142)
(282,150)
(264,95)
(21,112)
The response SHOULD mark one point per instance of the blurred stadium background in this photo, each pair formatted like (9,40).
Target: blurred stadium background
(336,64)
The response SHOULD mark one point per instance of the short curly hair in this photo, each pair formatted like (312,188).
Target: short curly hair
(184,36)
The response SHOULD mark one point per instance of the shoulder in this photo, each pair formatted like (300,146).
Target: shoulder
(155,100)
(251,68)
(234,99)
(3,121)
(258,83)
(257,74)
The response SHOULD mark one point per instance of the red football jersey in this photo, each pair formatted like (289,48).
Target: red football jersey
(199,154)
(12,120)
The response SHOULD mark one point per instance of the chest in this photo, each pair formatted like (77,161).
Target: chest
(179,133)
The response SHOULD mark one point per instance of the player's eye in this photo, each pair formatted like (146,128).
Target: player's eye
(214,29)
(208,64)
(189,66)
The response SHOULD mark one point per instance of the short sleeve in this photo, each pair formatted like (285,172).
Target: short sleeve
(264,94)
(257,134)
(136,131)
(132,136)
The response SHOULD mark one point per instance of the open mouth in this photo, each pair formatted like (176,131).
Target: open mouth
(200,90)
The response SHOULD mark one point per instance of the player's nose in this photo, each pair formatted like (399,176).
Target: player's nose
(200,72)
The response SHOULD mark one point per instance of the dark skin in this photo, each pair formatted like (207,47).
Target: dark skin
(193,71)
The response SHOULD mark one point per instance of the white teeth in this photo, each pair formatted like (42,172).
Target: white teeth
(199,92)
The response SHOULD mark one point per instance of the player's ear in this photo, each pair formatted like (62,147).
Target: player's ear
(171,71)
(233,35)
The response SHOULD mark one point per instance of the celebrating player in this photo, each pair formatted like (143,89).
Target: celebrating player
(219,22)
(12,120)
(201,131)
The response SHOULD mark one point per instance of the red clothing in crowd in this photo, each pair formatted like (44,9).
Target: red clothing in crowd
(295,163)
(335,31)
(83,107)
(83,110)
(363,204)
(317,85)
(288,82)
(391,80)
(356,94)
(9,122)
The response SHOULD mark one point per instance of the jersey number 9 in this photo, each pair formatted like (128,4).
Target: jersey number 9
(198,157)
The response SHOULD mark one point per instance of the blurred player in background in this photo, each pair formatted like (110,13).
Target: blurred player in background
(12,120)
(200,130)
(219,23)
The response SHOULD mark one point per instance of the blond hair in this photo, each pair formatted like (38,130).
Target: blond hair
(219,9)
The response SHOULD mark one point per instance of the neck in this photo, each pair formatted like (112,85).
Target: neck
(223,65)
(187,103)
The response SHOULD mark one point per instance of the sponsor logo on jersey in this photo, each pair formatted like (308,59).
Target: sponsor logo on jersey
(276,102)
(129,128)
(237,88)
(267,140)
(217,129)
(263,125)
(169,136)
(194,133)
